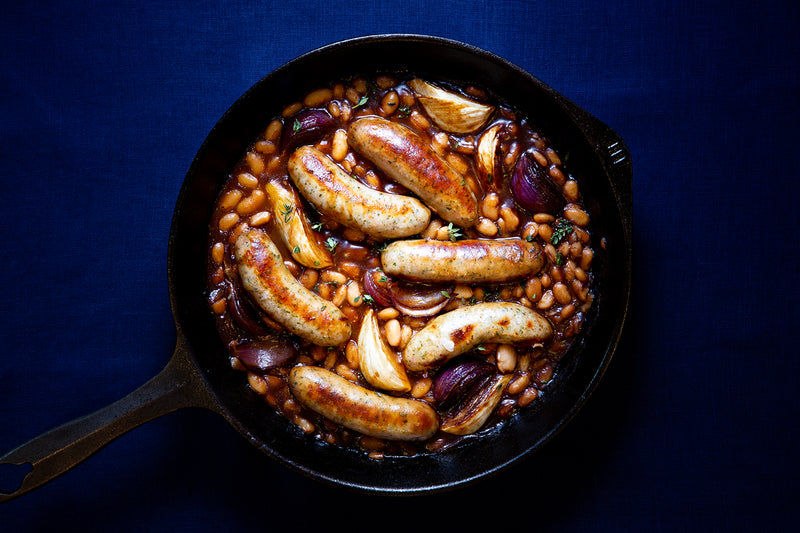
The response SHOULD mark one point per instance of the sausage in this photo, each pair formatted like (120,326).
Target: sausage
(466,261)
(282,297)
(406,158)
(360,409)
(464,328)
(340,196)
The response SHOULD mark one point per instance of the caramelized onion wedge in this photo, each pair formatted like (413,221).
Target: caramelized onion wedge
(378,364)
(486,154)
(458,379)
(450,111)
(294,229)
(471,416)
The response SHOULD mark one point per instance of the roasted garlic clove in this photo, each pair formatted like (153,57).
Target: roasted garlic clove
(450,111)
(473,414)
(378,364)
(294,228)
(486,154)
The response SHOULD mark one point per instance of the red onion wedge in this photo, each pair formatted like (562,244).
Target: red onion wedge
(264,353)
(305,126)
(419,300)
(472,414)
(377,285)
(458,380)
(243,313)
(533,188)
(411,299)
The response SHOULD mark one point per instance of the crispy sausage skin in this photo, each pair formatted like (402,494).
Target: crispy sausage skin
(360,409)
(466,261)
(340,196)
(406,158)
(460,330)
(282,297)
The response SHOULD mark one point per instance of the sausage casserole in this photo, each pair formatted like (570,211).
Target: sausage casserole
(396,264)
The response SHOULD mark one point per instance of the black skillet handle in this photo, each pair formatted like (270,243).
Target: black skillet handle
(55,452)
(612,151)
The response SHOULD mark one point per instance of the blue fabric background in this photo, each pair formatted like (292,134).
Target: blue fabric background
(695,425)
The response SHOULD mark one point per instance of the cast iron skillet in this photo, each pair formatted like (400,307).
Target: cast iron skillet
(199,374)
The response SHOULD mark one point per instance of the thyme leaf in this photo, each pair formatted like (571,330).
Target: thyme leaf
(561,229)
(362,101)
(286,211)
(454,231)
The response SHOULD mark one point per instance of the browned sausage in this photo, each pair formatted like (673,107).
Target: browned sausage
(360,409)
(467,261)
(282,297)
(406,158)
(340,196)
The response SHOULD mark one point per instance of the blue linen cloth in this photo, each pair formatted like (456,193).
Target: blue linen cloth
(695,425)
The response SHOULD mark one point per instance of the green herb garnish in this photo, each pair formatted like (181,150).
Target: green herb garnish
(330,244)
(561,229)
(296,126)
(364,99)
(286,211)
(454,231)
(296,250)
(403,111)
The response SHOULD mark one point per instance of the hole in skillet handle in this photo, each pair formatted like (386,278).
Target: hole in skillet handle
(12,476)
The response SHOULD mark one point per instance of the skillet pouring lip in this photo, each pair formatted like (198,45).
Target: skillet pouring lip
(597,156)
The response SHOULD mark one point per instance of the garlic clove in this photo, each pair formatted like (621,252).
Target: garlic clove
(486,152)
(379,365)
(448,110)
(294,228)
(473,414)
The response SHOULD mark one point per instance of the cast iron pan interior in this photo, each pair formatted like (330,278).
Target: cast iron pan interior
(596,156)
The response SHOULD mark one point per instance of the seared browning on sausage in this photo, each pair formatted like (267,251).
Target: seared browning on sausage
(406,158)
(282,297)
(360,409)
(467,261)
(460,330)
(340,196)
